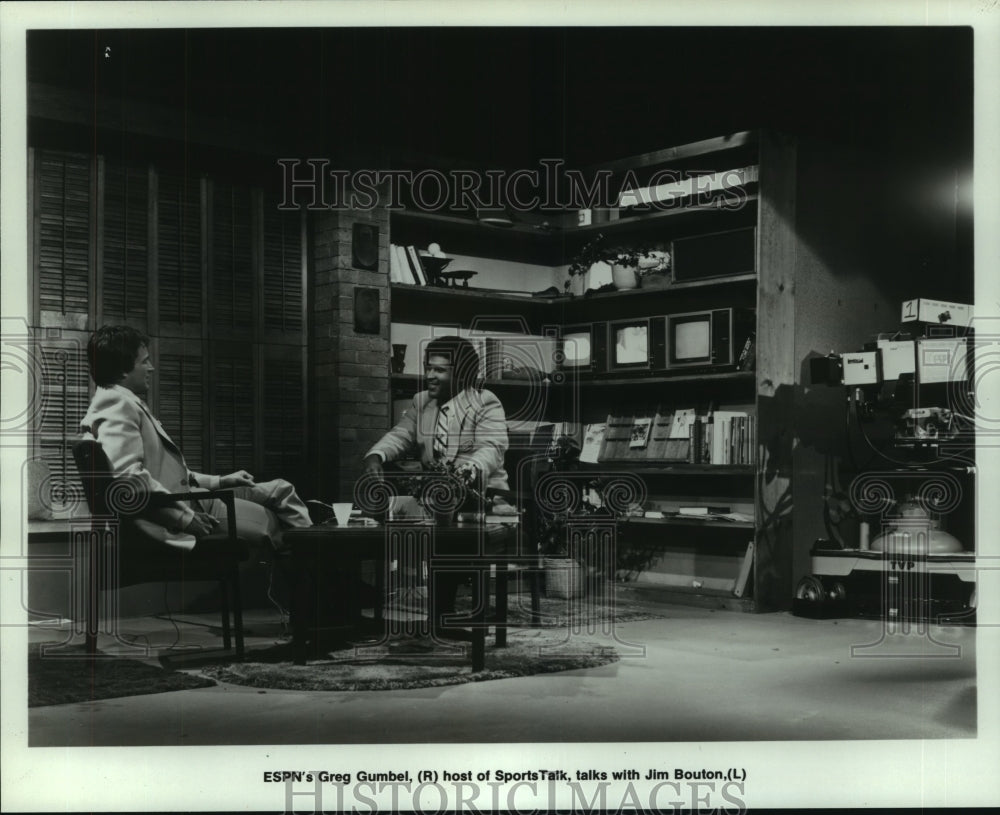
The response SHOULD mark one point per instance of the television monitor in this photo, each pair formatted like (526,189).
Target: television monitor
(629,344)
(692,340)
(583,347)
(578,348)
(701,338)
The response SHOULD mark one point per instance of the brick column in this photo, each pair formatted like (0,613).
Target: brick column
(349,383)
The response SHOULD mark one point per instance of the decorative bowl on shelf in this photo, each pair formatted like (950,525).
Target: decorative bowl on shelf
(433,266)
(454,278)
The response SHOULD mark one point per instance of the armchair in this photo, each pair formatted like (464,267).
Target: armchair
(123,556)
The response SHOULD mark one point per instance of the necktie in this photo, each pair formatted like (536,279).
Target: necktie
(441,433)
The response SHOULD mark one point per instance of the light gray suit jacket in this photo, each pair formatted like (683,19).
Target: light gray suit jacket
(477,433)
(139,448)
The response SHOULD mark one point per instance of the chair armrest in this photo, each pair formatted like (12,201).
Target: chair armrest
(226,496)
(158,498)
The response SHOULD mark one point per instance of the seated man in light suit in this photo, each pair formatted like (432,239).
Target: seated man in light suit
(138,448)
(452,421)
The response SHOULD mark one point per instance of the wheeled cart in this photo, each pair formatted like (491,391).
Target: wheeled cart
(891,585)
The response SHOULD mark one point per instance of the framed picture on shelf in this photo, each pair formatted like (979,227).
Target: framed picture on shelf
(628,344)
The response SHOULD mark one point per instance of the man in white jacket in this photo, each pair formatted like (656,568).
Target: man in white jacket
(139,449)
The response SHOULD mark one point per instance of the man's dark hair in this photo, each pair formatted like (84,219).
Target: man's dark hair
(112,351)
(463,358)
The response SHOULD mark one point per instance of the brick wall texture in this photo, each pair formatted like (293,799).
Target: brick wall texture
(350,402)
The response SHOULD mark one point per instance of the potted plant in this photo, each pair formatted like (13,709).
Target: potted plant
(654,269)
(624,264)
(565,576)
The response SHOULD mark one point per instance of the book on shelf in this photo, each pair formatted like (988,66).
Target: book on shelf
(398,272)
(680,426)
(639,437)
(723,437)
(416,267)
(593,443)
(405,268)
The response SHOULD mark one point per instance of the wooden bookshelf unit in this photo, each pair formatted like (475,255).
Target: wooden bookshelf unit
(746,563)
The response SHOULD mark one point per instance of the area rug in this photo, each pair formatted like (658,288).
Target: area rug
(73,677)
(416,663)
(553,612)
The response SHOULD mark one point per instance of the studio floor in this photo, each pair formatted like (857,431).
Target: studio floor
(688,675)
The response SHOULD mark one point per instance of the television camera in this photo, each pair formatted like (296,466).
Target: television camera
(909,393)
(917,377)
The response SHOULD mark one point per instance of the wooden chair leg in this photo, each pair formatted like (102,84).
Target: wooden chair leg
(238,611)
(480,599)
(92,613)
(534,579)
(502,586)
(227,641)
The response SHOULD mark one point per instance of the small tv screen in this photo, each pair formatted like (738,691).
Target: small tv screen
(577,351)
(692,339)
(631,344)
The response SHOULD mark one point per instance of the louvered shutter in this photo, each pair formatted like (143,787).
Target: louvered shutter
(63,238)
(283,302)
(125,266)
(283,427)
(233,414)
(180,386)
(65,396)
(178,251)
(231,305)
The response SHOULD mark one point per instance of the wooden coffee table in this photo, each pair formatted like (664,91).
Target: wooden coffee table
(317,552)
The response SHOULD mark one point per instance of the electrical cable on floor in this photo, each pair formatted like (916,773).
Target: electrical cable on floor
(283,613)
(168,615)
(133,639)
(177,631)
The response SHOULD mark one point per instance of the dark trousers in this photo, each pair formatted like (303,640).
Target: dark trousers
(445,590)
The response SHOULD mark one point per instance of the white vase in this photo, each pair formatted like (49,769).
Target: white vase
(624,277)
(600,275)
(578,285)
